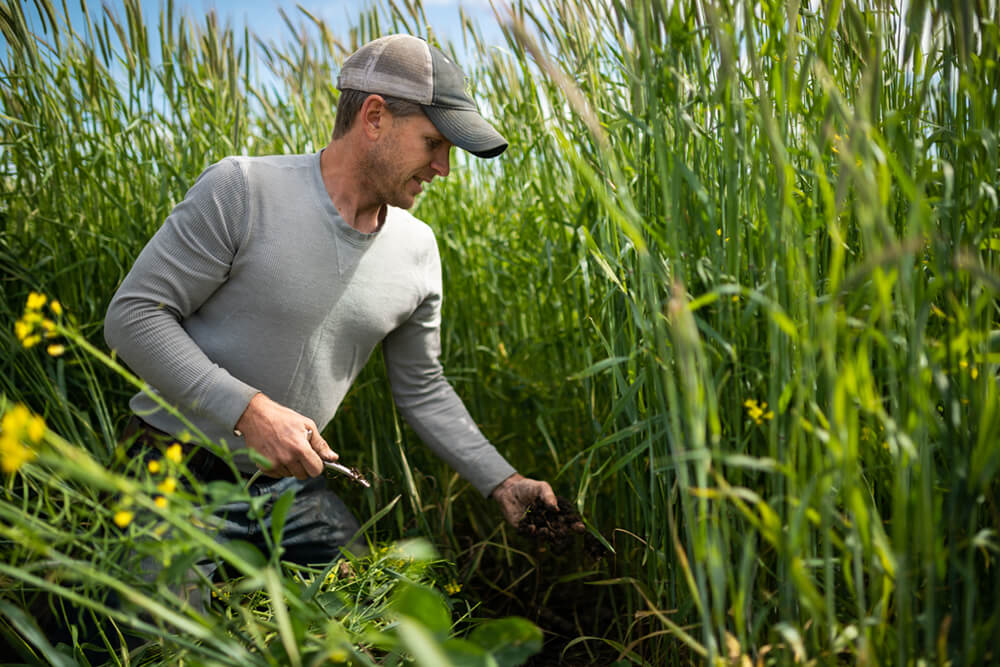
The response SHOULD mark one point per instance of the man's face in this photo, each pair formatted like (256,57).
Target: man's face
(410,154)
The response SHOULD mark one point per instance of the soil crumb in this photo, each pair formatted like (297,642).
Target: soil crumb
(556,528)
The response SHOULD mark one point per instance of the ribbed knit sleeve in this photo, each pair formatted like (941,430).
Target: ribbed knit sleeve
(426,399)
(184,263)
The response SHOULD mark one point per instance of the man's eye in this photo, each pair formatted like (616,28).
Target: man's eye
(433,144)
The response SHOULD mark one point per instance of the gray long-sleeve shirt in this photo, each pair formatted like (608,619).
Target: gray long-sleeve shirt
(255,283)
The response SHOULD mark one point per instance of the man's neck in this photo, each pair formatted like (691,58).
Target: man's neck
(342,178)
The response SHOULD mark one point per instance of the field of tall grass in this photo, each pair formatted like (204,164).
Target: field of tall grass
(733,290)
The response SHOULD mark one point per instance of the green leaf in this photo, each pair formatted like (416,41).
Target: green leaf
(33,634)
(222,492)
(426,649)
(425,606)
(598,367)
(464,653)
(180,565)
(247,552)
(511,641)
(279,513)
(417,549)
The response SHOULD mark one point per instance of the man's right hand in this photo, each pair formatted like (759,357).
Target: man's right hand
(290,441)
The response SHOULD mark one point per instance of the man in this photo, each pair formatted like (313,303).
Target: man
(260,299)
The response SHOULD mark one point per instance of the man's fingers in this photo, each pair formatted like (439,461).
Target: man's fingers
(321,446)
(549,496)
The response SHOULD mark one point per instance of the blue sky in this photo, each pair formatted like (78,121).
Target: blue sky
(263,18)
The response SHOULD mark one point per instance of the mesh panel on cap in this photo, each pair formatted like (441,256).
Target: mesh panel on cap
(397,65)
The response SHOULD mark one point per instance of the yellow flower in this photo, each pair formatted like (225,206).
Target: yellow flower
(718,232)
(35,301)
(174,453)
(57,308)
(452,587)
(22,329)
(13,454)
(56,350)
(15,420)
(36,429)
(31,341)
(974,372)
(168,486)
(161,502)
(758,412)
(18,425)
(123,518)
(154,467)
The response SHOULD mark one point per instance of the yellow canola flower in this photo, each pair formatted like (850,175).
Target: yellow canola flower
(16,419)
(167,486)
(25,328)
(13,454)
(974,372)
(35,301)
(18,430)
(56,350)
(174,453)
(161,502)
(452,587)
(123,518)
(36,429)
(22,330)
(758,412)
(154,467)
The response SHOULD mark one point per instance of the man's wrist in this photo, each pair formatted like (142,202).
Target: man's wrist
(502,486)
(241,422)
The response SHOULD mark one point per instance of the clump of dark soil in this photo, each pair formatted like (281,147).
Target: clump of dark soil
(557,528)
(545,581)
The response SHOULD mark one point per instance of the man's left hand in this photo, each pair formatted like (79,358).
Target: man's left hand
(516,493)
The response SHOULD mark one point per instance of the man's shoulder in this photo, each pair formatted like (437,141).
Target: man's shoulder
(402,222)
(249,163)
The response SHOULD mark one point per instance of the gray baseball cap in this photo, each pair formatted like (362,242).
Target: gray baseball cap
(409,68)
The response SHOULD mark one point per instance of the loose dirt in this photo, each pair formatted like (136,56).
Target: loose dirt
(557,528)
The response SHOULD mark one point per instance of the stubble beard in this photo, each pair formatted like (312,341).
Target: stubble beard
(385,181)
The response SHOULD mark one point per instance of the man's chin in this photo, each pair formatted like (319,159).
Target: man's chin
(404,201)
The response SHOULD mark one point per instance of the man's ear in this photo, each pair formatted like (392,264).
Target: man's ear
(373,115)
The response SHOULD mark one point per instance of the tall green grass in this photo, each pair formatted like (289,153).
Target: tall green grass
(706,207)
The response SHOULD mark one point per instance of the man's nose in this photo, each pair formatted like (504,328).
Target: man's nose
(441,164)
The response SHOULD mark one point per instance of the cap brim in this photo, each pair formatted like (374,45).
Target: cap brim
(466,129)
